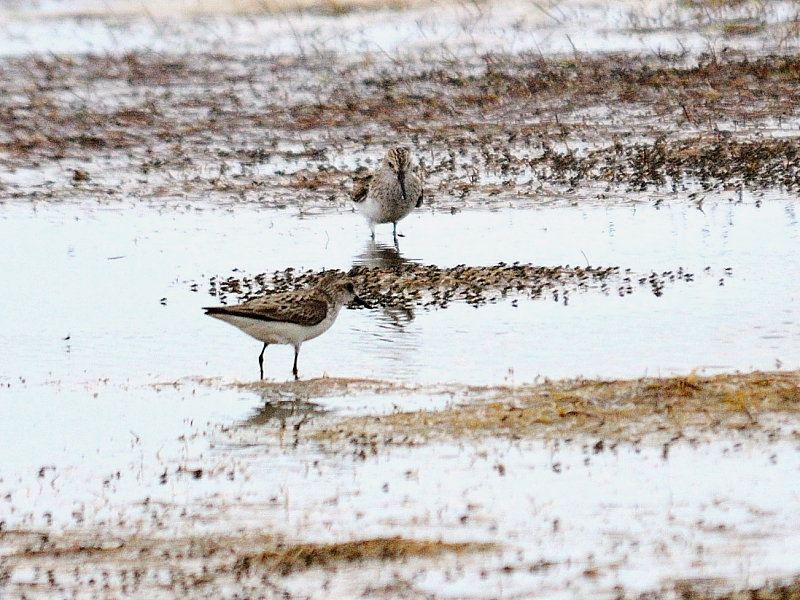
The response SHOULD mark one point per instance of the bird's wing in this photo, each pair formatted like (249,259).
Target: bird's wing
(361,188)
(301,308)
(415,189)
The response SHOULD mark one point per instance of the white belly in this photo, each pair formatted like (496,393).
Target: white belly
(384,212)
(276,332)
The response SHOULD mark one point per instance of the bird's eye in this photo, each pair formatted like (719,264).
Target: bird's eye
(350,288)
(391,164)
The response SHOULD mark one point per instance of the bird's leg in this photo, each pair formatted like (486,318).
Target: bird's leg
(394,232)
(294,368)
(261,360)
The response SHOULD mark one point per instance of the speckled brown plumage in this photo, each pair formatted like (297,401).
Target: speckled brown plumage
(390,193)
(289,317)
(361,188)
(302,307)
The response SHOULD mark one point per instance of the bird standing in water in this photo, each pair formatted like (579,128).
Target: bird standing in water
(390,193)
(290,317)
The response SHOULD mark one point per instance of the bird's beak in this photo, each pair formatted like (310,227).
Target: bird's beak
(401,177)
(359,302)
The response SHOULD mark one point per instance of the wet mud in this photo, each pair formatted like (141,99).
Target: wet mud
(287,131)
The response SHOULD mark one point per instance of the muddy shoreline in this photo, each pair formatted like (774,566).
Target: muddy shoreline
(287,131)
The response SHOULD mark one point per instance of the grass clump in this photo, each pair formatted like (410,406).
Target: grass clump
(307,556)
(619,409)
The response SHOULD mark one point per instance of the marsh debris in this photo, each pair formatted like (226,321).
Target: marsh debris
(411,285)
(485,130)
(699,590)
(308,556)
(197,565)
(620,410)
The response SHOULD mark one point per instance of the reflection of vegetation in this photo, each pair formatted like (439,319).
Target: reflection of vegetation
(618,410)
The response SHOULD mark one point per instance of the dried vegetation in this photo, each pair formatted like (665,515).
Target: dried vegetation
(192,567)
(328,555)
(694,590)
(648,409)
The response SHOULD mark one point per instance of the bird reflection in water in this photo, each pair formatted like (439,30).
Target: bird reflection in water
(284,411)
(382,256)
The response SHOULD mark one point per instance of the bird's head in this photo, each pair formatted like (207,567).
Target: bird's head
(340,288)
(398,159)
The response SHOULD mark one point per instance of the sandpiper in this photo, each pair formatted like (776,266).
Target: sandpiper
(390,193)
(290,317)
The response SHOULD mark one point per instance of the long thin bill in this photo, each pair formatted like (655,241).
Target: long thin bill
(401,177)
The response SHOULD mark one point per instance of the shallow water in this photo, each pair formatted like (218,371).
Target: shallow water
(106,293)
(242,27)
(110,374)
(122,26)
(567,519)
